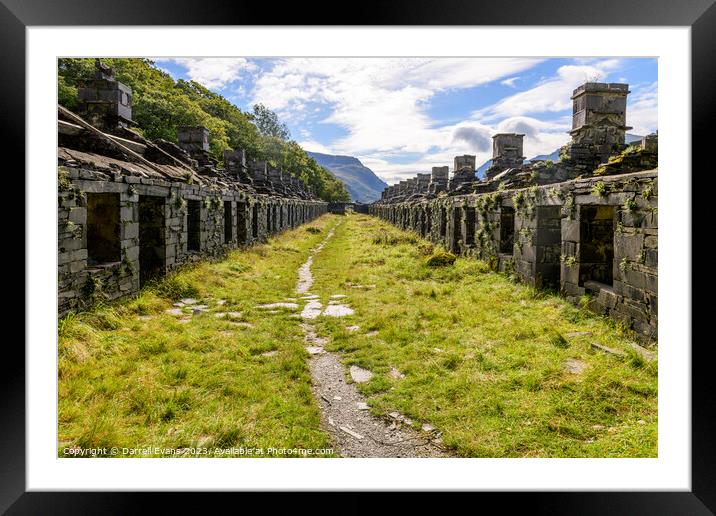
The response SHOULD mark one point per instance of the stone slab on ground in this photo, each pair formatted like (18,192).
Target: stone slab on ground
(360,375)
(338,311)
(644,353)
(273,306)
(607,349)
(574,366)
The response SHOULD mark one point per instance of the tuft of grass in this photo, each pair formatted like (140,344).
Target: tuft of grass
(174,287)
(313,230)
(600,189)
(390,238)
(556,339)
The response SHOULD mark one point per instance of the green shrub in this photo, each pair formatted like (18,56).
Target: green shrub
(600,189)
(440,258)
(313,229)
(389,238)
(426,249)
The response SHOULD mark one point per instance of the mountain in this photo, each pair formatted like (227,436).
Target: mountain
(363,185)
(480,172)
(553,156)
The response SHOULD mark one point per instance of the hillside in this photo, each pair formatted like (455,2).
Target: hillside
(161,104)
(362,183)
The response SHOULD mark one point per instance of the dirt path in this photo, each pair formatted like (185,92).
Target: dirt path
(344,412)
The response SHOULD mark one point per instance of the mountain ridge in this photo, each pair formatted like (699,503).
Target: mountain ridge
(362,183)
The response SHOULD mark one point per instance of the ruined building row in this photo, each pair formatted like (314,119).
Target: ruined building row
(586,225)
(130,210)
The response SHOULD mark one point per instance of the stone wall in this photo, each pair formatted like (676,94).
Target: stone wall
(131,210)
(594,239)
(153,226)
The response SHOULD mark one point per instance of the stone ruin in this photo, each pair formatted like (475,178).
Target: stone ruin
(586,225)
(506,153)
(598,123)
(131,210)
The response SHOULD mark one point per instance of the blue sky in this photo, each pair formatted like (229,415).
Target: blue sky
(401,116)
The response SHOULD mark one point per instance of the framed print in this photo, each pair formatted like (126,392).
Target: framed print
(418,253)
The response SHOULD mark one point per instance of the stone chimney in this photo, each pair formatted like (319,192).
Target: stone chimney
(411,186)
(235,165)
(598,122)
(276,178)
(464,171)
(104,102)
(259,171)
(650,143)
(195,141)
(423,183)
(439,179)
(506,153)
(466,162)
(274,175)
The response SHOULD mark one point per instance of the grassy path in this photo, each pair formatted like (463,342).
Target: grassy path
(132,375)
(354,431)
(500,369)
(497,369)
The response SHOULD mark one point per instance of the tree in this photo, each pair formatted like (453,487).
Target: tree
(268,123)
(160,105)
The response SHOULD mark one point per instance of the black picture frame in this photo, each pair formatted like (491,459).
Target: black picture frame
(700,15)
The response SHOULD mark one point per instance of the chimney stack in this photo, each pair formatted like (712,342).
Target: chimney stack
(104,102)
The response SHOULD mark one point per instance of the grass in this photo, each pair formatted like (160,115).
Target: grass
(131,375)
(484,358)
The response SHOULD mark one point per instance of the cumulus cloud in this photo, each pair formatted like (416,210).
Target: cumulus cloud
(380,103)
(213,72)
(642,112)
(314,146)
(381,110)
(478,138)
(550,95)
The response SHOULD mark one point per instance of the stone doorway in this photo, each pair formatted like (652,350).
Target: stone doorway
(596,245)
(152,238)
(103,224)
(507,229)
(193,225)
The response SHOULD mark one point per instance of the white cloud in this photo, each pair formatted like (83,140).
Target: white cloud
(213,72)
(551,95)
(380,102)
(448,73)
(314,146)
(642,112)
